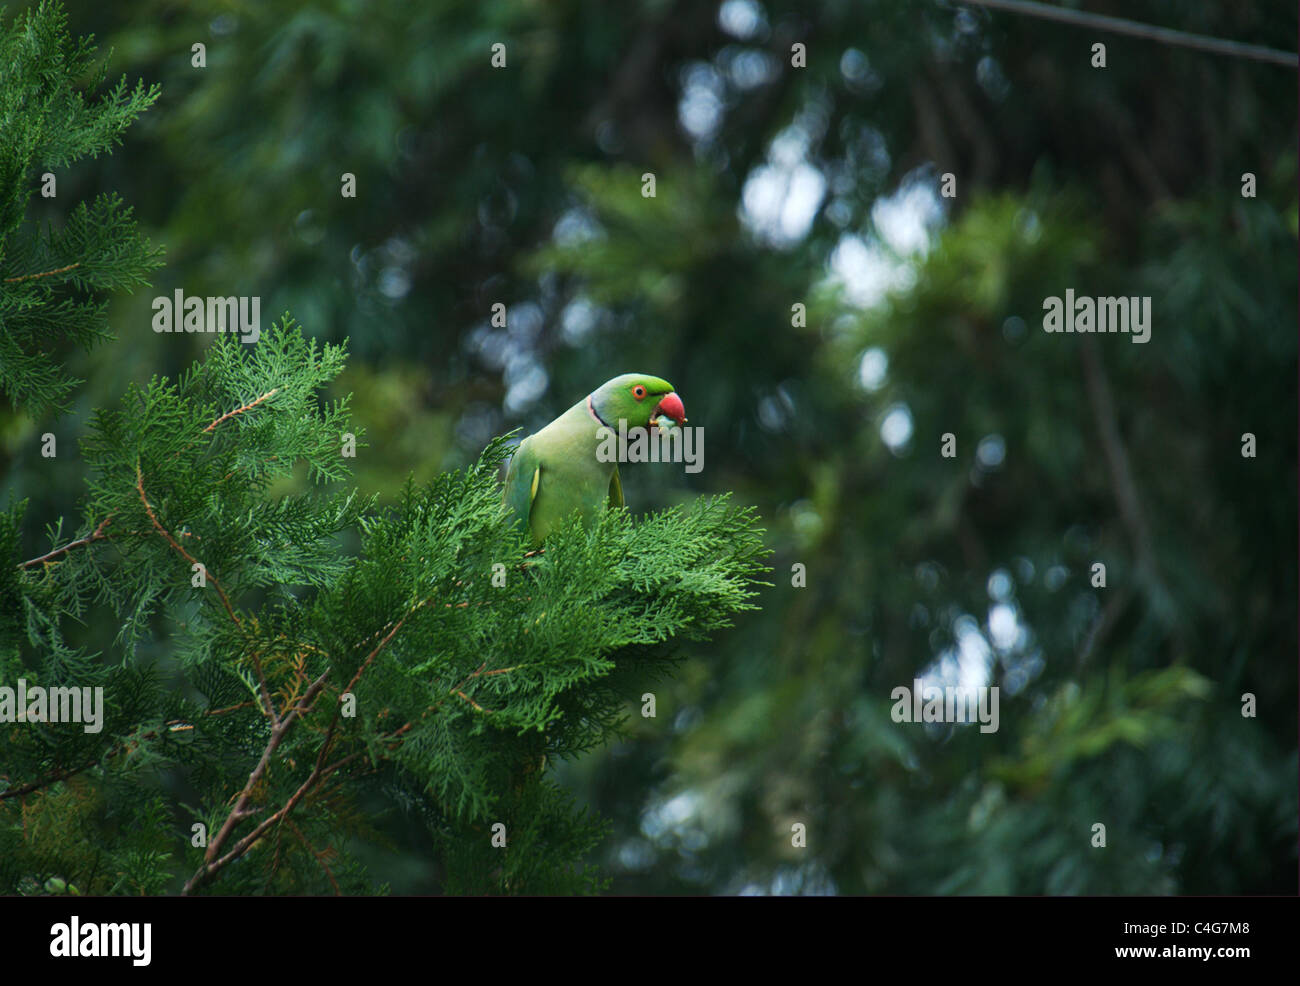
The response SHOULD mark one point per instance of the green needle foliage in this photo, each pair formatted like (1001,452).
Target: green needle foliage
(52,281)
(290,659)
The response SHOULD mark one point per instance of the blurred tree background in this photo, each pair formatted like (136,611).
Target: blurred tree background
(819,186)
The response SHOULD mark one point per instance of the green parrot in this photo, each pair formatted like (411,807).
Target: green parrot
(556,471)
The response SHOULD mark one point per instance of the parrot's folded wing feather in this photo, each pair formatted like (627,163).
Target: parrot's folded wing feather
(522,480)
(615,489)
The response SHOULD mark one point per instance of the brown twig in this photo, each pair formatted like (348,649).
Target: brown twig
(211,863)
(82,542)
(378,647)
(208,869)
(240,410)
(319,772)
(48,273)
(1136,29)
(472,702)
(174,725)
(225,601)
(241,810)
(230,708)
(96,535)
(328,742)
(58,775)
(488,674)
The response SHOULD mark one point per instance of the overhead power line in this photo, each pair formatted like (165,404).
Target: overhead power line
(1164,35)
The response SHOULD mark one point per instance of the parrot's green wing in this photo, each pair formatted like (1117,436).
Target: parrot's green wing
(615,489)
(522,479)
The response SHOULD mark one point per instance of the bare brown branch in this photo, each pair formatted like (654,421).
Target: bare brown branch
(47,273)
(225,601)
(96,535)
(240,410)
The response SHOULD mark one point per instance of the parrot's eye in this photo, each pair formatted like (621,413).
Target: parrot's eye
(638,391)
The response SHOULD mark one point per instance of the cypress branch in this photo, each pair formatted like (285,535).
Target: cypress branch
(273,676)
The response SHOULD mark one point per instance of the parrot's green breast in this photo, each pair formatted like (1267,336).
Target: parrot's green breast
(555,472)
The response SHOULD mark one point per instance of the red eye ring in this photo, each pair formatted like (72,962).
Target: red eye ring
(638,392)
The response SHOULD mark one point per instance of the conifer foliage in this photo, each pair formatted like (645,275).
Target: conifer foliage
(292,658)
(54,280)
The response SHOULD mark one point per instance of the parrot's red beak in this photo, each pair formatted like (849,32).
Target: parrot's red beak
(671,405)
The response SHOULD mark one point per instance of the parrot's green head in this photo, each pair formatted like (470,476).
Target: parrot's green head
(637,398)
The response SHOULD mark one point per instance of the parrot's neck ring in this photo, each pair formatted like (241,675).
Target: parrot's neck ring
(591,409)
